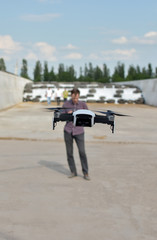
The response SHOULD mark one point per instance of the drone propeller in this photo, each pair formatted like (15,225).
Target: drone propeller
(57,108)
(113,113)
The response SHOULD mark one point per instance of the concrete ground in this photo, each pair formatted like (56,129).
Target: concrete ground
(39,202)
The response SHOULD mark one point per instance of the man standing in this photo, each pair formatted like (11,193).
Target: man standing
(65,95)
(76,133)
(58,96)
(48,95)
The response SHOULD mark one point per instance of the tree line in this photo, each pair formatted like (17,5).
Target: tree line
(86,74)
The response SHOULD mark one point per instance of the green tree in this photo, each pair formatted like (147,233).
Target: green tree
(52,75)
(88,73)
(98,75)
(150,71)
(72,74)
(81,76)
(106,73)
(81,72)
(2,65)
(119,73)
(38,72)
(85,70)
(138,72)
(66,75)
(144,73)
(61,71)
(132,75)
(91,71)
(46,72)
(24,69)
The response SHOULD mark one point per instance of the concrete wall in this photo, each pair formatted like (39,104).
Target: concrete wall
(11,89)
(149,90)
(12,86)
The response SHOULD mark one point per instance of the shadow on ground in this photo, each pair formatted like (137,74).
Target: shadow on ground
(54,166)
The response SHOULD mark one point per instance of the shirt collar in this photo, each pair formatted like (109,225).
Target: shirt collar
(73,103)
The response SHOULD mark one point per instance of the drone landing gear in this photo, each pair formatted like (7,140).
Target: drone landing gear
(54,125)
(112,127)
(106,120)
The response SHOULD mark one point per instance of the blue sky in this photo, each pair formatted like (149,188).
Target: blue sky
(78,32)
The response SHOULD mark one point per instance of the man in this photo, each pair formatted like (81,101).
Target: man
(48,95)
(72,132)
(58,96)
(65,95)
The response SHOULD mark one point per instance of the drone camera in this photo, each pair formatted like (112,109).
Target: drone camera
(83,120)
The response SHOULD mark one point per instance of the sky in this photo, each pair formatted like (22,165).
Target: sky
(78,32)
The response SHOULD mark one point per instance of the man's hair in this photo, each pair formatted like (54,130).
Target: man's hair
(75,91)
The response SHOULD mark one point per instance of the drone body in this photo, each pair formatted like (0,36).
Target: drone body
(84,117)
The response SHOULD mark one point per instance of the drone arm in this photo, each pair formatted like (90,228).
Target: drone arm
(106,120)
(64,117)
(101,119)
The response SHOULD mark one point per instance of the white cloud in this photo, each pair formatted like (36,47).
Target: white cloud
(69,47)
(93,56)
(74,56)
(31,56)
(149,38)
(37,51)
(143,41)
(119,54)
(40,18)
(8,45)
(46,51)
(150,34)
(121,40)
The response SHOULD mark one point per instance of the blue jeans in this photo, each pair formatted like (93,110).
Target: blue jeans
(48,100)
(79,139)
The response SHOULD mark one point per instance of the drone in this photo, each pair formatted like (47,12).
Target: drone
(84,117)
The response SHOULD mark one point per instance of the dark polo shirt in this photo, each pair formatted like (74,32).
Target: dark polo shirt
(69,127)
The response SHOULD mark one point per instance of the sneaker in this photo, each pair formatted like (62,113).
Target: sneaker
(86,177)
(72,175)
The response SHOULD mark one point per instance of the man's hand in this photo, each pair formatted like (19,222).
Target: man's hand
(70,111)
